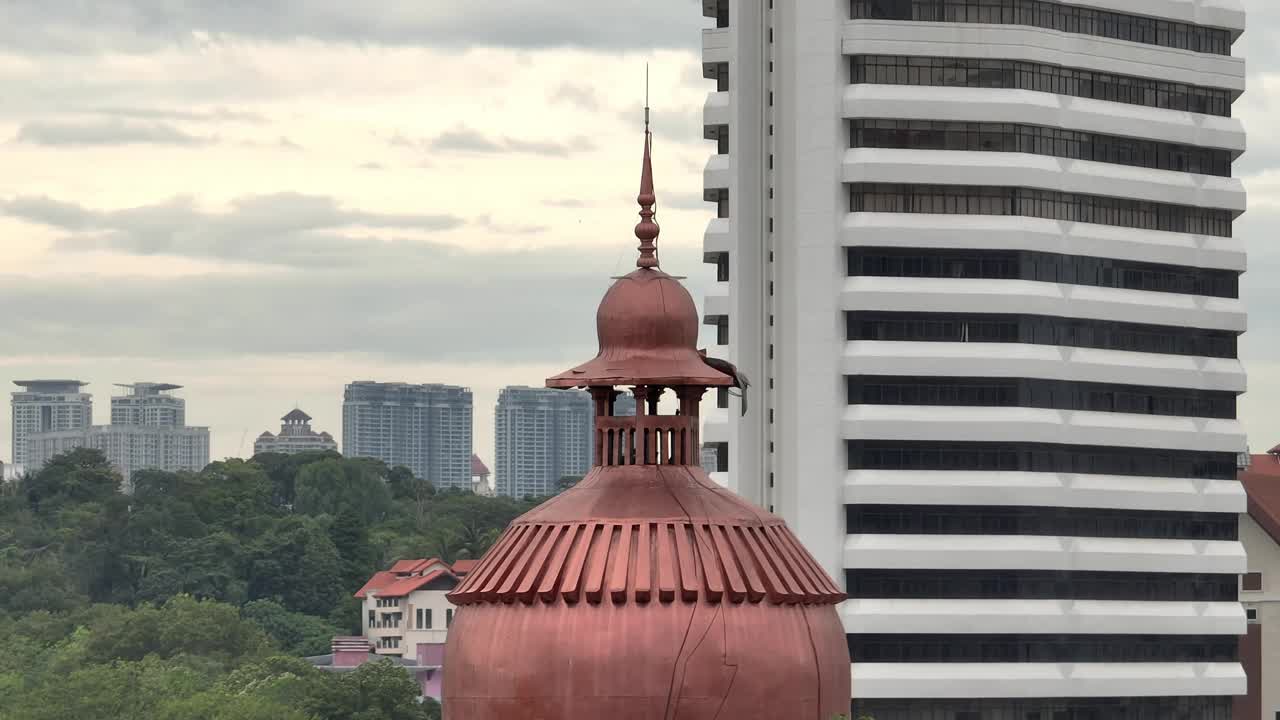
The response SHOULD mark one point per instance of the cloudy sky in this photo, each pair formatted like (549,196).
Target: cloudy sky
(265,200)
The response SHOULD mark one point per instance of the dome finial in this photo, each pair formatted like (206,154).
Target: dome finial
(647,229)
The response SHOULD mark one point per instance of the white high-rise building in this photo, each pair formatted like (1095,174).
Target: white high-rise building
(976,256)
(540,436)
(45,406)
(147,432)
(148,403)
(426,428)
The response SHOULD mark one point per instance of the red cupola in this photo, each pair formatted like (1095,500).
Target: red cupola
(647,591)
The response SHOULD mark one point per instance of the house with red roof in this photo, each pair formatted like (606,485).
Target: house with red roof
(480,484)
(1260,588)
(406,614)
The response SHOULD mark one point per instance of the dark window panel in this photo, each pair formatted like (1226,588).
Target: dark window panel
(1039,457)
(1127,708)
(1031,202)
(1028,520)
(1039,330)
(1039,77)
(1039,393)
(1051,16)
(899,584)
(976,648)
(974,264)
(1038,140)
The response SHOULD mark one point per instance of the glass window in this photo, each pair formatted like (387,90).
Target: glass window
(1032,520)
(1040,77)
(1039,457)
(979,264)
(904,584)
(977,648)
(1046,204)
(1038,140)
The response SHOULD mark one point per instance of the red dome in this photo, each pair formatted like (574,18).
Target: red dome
(647,591)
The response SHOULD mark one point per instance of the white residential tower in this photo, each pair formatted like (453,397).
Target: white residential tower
(977,258)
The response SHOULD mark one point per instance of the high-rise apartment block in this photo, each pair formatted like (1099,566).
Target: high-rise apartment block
(46,406)
(426,428)
(147,432)
(296,436)
(977,258)
(148,404)
(540,436)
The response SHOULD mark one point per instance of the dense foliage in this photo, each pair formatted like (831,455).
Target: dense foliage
(194,597)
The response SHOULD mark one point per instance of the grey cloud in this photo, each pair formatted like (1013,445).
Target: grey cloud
(405,300)
(565,203)
(216,115)
(681,126)
(581,96)
(288,229)
(683,201)
(488,222)
(73,27)
(108,132)
(466,140)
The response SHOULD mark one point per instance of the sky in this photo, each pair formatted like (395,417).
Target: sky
(265,201)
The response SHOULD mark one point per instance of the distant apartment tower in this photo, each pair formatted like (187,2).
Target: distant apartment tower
(624,405)
(296,436)
(426,428)
(45,406)
(148,403)
(146,433)
(540,436)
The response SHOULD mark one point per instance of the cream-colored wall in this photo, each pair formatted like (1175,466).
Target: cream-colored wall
(375,634)
(434,600)
(1264,557)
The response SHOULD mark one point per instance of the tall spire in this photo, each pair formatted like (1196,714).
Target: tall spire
(647,229)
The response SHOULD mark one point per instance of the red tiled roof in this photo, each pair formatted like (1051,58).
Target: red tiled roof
(404,586)
(477,466)
(1262,483)
(379,579)
(462,567)
(407,566)
(389,583)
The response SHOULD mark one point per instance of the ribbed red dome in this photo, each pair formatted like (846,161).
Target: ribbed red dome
(647,591)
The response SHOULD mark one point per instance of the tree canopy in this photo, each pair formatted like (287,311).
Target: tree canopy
(197,595)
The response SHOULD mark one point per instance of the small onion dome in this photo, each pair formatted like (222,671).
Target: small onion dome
(647,322)
(648,330)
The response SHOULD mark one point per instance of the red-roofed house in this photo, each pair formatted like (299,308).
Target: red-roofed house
(1260,588)
(407,614)
(480,484)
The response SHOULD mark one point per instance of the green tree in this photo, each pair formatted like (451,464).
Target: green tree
(296,564)
(330,486)
(294,633)
(360,559)
(74,477)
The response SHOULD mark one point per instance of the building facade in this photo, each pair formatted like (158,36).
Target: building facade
(296,436)
(977,259)
(426,428)
(406,614)
(142,435)
(540,436)
(1260,588)
(148,404)
(47,406)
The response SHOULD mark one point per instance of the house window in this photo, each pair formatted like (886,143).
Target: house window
(428,625)
(1251,582)
(419,618)
(448,618)
(1251,614)
(373,619)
